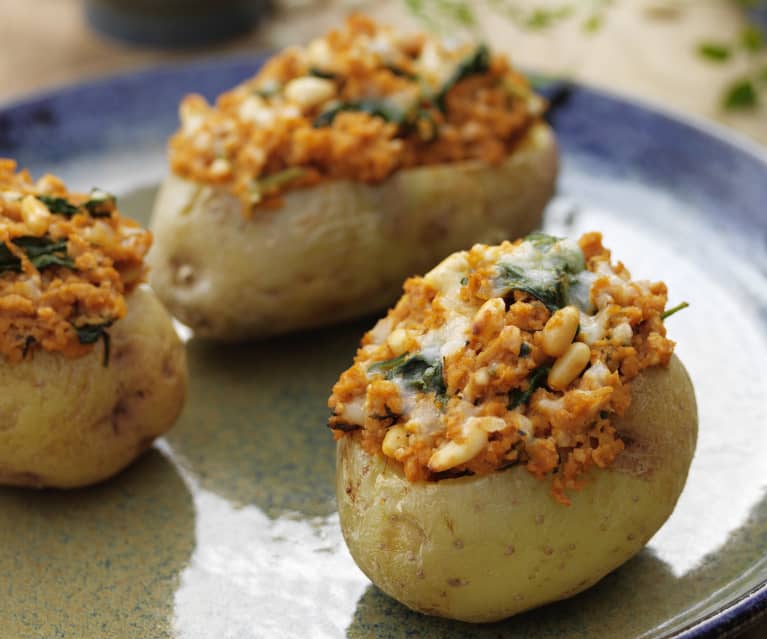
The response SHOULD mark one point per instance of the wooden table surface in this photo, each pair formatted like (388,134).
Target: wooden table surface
(645,49)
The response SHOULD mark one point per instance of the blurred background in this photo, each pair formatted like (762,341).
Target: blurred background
(702,58)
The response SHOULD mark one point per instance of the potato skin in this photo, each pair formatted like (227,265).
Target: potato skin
(338,250)
(72,422)
(483,548)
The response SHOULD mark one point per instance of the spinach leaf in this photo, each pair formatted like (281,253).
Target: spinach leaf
(475,63)
(546,273)
(92,333)
(400,72)
(377,108)
(100,204)
(389,364)
(41,251)
(550,289)
(272,183)
(416,371)
(319,73)
(675,309)
(59,205)
(519,397)
(542,241)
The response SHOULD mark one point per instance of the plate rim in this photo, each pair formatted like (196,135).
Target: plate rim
(733,617)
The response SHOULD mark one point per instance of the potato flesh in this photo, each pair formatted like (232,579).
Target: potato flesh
(338,250)
(484,548)
(72,422)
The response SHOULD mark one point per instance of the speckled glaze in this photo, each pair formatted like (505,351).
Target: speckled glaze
(227,528)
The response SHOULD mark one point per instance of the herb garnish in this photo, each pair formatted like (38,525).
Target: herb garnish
(475,63)
(274,182)
(59,205)
(551,290)
(319,73)
(417,372)
(398,71)
(41,251)
(674,309)
(377,108)
(92,333)
(547,277)
(519,397)
(100,204)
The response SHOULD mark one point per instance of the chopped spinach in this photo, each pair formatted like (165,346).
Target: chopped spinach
(416,371)
(274,182)
(375,107)
(100,204)
(675,309)
(525,350)
(389,364)
(319,73)
(398,71)
(59,205)
(552,290)
(475,63)
(519,397)
(425,126)
(542,241)
(41,251)
(92,333)
(546,274)
(270,89)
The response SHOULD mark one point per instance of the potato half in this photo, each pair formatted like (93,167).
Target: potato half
(484,548)
(72,422)
(338,250)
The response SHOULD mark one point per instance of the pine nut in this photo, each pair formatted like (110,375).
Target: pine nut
(394,440)
(398,341)
(308,91)
(569,366)
(559,331)
(36,215)
(489,319)
(454,453)
(491,424)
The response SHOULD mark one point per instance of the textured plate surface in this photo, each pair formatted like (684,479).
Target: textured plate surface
(228,528)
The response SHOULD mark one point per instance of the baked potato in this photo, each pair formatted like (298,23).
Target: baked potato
(92,368)
(311,191)
(515,428)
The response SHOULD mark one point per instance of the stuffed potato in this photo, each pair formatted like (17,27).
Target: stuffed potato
(312,190)
(91,367)
(515,428)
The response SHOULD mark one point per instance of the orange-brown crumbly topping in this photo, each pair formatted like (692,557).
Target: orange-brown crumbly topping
(358,104)
(479,420)
(66,262)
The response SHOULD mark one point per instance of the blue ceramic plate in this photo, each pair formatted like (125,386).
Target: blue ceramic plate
(227,528)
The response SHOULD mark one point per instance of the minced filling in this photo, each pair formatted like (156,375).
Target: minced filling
(360,103)
(517,354)
(66,262)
